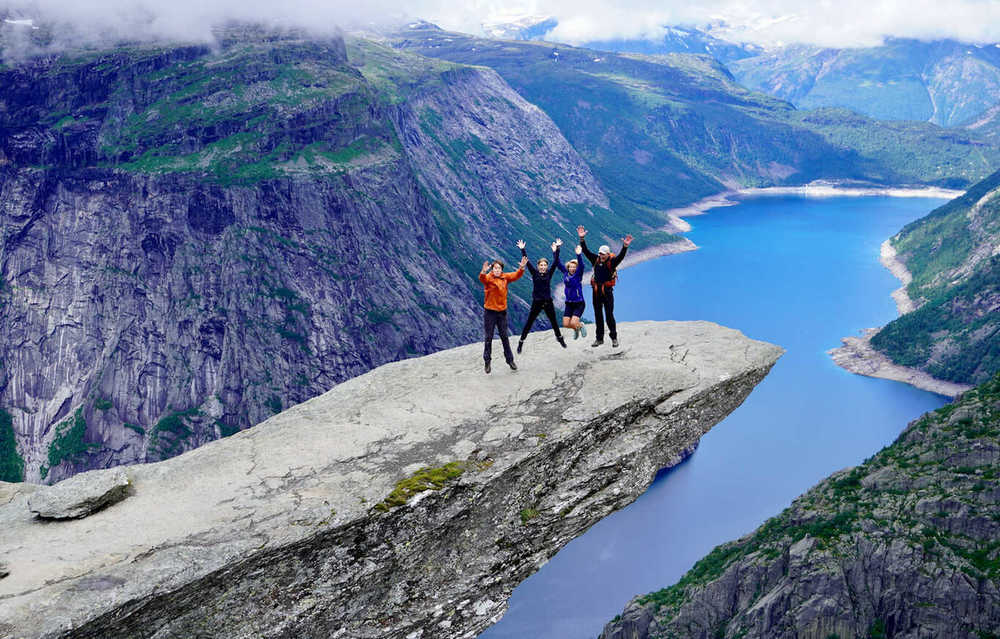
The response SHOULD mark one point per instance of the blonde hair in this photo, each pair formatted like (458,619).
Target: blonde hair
(542,259)
(577,262)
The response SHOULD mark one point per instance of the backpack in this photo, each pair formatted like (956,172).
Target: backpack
(610,283)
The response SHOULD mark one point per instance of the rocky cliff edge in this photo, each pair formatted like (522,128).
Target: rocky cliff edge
(315,523)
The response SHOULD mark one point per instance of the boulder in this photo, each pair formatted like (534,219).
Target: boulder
(80,495)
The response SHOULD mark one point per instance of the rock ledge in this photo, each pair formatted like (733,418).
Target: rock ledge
(274,532)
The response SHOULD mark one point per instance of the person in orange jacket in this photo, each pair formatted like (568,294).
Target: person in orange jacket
(495,283)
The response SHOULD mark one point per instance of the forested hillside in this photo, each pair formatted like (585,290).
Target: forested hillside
(953,255)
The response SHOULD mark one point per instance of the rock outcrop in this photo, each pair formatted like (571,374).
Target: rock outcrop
(80,495)
(904,545)
(407,502)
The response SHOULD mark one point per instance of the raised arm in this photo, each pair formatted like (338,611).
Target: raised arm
(555,256)
(524,257)
(621,254)
(582,233)
(482,273)
(516,275)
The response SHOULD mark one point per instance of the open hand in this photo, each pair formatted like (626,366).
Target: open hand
(524,261)
(521,244)
(558,242)
(627,240)
(581,231)
(554,247)
(486,267)
(579,249)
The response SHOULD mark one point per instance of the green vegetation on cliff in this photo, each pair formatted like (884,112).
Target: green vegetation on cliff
(11,463)
(423,480)
(898,540)
(69,442)
(954,334)
(169,435)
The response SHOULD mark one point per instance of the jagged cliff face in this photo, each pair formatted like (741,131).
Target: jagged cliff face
(905,545)
(406,502)
(194,239)
(953,255)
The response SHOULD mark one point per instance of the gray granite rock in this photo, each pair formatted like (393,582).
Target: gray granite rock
(159,311)
(288,529)
(80,495)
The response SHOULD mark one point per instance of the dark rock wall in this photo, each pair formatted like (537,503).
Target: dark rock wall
(167,297)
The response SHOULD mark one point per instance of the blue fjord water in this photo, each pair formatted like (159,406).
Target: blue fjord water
(799,272)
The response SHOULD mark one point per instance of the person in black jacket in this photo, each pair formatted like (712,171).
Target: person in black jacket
(602,281)
(541,293)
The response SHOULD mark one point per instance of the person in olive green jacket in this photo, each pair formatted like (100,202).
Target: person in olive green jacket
(495,283)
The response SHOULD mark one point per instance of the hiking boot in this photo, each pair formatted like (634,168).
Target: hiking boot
(487,368)
(597,342)
(519,346)
(614,342)
(583,330)
(561,341)
(576,333)
(512,365)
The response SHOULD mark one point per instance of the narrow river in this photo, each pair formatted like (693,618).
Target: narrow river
(799,272)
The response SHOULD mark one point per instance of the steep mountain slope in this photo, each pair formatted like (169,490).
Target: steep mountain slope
(905,545)
(953,256)
(662,131)
(945,82)
(194,239)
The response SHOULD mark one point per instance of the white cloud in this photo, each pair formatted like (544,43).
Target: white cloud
(823,22)
(837,23)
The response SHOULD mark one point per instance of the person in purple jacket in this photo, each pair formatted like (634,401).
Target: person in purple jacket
(573,288)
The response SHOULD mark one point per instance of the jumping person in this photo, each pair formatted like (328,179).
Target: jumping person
(603,280)
(541,294)
(495,283)
(573,287)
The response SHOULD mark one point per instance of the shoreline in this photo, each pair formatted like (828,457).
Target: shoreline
(858,356)
(814,189)
(887,256)
(677,224)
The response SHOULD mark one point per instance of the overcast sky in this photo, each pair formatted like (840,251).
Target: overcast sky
(824,22)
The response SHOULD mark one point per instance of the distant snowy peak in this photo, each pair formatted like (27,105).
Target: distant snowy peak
(684,39)
(518,27)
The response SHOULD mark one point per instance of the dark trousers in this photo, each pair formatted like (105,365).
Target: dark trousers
(496,320)
(537,306)
(604,307)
